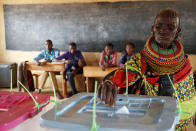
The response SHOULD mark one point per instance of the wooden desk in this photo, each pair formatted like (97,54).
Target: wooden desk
(49,67)
(95,71)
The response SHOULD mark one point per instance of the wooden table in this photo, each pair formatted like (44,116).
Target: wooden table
(60,67)
(95,71)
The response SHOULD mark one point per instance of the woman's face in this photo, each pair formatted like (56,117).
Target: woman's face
(165,30)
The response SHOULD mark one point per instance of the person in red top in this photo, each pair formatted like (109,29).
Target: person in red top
(108,57)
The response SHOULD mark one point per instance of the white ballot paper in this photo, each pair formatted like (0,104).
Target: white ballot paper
(123,110)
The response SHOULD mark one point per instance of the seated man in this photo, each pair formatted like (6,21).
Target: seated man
(161,68)
(108,57)
(72,58)
(128,55)
(48,54)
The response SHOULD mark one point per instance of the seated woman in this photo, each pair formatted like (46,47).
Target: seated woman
(128,55)
(161,68)
(48,54)
(72,58)
(108,57)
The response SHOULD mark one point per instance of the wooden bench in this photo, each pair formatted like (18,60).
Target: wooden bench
(94,72)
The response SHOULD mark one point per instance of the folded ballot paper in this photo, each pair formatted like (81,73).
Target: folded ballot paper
(57,62)
(123,110)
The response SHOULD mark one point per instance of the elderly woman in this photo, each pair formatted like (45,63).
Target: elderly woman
(161,68)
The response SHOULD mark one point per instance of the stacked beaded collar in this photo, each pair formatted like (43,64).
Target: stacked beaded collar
(164,61)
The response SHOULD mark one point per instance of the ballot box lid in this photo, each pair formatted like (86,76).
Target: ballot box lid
(142,113)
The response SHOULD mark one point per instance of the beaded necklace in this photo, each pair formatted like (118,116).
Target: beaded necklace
(164,61)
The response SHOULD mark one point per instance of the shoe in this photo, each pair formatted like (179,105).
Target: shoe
(58,94)
(76,92)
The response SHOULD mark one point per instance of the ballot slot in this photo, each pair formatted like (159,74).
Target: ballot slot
(135,106)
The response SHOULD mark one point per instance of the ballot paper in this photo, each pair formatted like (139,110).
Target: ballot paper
(57,62)
(123,110)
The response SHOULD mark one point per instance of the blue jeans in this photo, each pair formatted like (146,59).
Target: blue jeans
(70,78)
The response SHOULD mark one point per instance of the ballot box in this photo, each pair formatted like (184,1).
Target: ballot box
(130,113)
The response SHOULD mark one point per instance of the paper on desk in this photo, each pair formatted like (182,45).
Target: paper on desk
(57,62)
(122,110)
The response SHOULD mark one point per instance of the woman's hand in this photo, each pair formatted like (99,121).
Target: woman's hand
(107,92)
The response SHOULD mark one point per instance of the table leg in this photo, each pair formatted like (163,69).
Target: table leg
(87,84)
(53,76)
(36,80)
(64,86)
(43,79)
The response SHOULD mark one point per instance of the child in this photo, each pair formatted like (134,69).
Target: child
(129,53)
(72,58)
(48,54)
(108,57)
